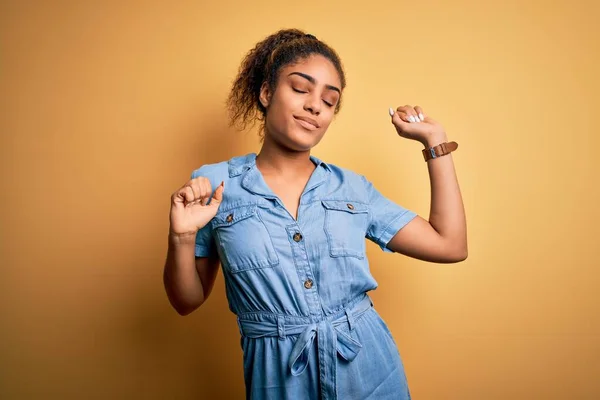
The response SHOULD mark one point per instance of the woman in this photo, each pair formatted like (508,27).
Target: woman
(289,231)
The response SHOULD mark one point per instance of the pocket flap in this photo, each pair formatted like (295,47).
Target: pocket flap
(230,217)
(346,205)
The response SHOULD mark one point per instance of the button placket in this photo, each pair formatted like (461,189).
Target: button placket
(306,277)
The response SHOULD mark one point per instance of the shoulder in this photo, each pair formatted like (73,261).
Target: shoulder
(215,172)
(222,170)
(347,176)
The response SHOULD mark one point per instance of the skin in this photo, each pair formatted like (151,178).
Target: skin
(306,89)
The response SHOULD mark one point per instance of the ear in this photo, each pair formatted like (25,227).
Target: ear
(265,95)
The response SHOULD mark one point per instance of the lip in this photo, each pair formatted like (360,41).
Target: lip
(306,122)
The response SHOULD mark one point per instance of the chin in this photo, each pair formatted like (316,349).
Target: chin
(299,146)
(303,140)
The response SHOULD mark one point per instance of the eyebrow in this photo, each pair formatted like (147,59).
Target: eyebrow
(314,81)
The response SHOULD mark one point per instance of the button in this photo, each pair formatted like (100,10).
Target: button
(229,218)
(308,283)
(350,206)
(297,237)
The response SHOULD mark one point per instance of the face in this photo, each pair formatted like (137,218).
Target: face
(302,106)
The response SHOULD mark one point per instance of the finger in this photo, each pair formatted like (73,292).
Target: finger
(217,196)
(411,115)
(199,185)
(195,189)
(196,202)
(403,116)
(193,184)
(178,197)
(206,191)
(181,197)
(398,121)
(187,194)
(420,112)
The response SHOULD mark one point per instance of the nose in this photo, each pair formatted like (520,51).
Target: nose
(313,104)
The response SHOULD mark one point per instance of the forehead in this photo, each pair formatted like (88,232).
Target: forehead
(316,66)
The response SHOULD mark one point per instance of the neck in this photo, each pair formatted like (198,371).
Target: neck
(276,160)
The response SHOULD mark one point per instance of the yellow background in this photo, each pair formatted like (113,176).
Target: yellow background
(108,106)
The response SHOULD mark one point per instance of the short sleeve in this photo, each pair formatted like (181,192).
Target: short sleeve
(386,217)
(205,246)
(204,242)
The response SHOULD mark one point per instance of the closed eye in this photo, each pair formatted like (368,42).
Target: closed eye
(300,91)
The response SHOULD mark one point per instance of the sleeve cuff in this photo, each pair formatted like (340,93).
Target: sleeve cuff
(393,227)
(202,251)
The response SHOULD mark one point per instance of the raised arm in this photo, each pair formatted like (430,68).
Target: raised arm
(443,238)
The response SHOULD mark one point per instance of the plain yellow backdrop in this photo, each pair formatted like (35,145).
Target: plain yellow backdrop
(106,108)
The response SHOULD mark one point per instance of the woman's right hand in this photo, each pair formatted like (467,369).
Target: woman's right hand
(189,209)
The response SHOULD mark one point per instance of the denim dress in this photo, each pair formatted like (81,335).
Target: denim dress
(308,328)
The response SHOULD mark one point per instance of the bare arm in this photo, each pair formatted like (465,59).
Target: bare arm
(188,280)
(443,238)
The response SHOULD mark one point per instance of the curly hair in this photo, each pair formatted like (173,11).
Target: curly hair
(263,64)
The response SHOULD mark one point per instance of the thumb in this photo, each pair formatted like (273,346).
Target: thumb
(396,120)
(217,196)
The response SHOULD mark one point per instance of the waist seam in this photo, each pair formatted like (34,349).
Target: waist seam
(280,324)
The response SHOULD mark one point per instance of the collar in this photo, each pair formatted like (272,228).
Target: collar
(240,164)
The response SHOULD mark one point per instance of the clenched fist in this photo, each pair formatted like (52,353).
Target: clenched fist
(190,208)
(411,123)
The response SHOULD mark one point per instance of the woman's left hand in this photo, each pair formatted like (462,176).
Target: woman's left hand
(412,123)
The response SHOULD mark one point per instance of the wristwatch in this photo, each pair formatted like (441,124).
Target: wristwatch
(440,150)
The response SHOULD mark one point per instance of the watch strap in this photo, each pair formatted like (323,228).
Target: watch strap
(440,150)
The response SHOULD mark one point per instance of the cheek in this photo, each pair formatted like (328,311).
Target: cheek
(282,106)
(327,119)
(280,120)
(274,113)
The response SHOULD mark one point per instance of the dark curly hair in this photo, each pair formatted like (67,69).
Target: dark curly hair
(263,63)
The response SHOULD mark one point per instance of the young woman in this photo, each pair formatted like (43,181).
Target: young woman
(289,231)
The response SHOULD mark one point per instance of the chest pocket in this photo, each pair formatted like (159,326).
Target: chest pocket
(346,226)
(243,239)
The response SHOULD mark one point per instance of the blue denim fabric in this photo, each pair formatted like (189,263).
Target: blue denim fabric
(299,287)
